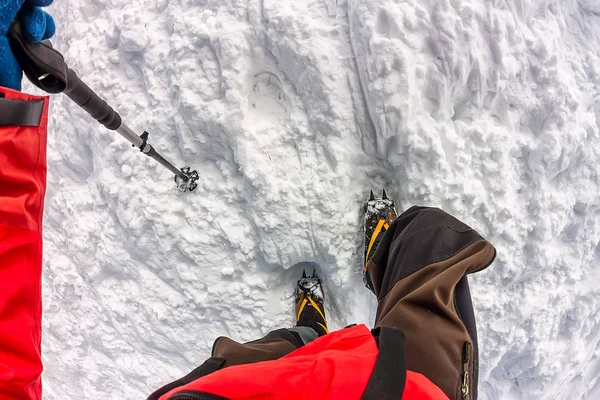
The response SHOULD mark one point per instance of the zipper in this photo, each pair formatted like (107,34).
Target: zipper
(464,390)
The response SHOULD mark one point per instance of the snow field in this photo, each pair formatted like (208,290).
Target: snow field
(291,111)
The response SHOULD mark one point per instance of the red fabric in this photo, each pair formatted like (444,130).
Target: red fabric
(335,366)
(22,189)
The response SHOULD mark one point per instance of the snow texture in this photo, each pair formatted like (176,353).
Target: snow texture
(292,111)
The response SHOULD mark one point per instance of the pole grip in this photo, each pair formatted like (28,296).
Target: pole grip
(87,99)
(46,68)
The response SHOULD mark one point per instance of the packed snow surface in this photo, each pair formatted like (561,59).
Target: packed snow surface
(291,111)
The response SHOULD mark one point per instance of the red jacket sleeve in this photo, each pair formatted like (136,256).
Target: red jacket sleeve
(22,189)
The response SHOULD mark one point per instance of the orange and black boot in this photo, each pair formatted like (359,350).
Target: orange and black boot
(310,304)
(379,214)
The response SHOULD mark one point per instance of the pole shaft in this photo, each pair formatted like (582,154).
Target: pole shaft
(148,150)
(130,135)
(164,162)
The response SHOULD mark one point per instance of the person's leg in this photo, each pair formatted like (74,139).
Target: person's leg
(307,334)
(418,273)
(227,352)
(273,346)
(310,323)
(23,122)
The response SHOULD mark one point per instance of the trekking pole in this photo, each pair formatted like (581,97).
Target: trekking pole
(46,69)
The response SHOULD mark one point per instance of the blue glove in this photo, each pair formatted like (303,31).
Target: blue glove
(38,26)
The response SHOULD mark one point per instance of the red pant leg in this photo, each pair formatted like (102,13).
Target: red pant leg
(22,189)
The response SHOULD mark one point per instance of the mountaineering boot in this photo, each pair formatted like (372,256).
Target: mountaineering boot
(310,308)
(379,214)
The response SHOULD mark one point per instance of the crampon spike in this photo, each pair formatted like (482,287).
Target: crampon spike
(384,195)
(314,275)
(187,182)
(372,196)
(304,273)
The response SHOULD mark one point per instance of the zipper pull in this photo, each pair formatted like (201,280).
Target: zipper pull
(465,385)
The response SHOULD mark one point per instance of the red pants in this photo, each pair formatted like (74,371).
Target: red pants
(22,189)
